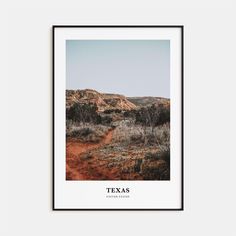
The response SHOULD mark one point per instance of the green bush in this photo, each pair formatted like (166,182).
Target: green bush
(110,111)
(85,113)
(106,120)
(152,116)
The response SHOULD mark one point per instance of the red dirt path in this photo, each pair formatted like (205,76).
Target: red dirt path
(75,166)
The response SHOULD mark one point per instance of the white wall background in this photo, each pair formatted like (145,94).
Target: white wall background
(210,157)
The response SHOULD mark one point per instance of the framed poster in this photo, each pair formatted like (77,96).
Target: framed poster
(117,117)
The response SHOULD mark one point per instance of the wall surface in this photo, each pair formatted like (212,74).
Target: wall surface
(210,116)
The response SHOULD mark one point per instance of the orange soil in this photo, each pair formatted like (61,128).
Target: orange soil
(76,168)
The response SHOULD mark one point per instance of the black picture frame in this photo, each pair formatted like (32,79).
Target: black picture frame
(181,27)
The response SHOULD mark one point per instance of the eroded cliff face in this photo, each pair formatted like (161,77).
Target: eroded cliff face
(102,100)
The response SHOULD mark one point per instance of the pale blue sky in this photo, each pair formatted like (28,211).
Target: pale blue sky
(128,67)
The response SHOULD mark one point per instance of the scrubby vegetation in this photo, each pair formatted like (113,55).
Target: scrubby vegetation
(132,133)
(84,113)
(87,132)
(131,144)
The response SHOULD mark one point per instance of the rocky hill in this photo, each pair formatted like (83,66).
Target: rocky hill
(147,101)
(103,101)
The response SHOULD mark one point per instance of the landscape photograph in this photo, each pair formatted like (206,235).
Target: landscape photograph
(118,103)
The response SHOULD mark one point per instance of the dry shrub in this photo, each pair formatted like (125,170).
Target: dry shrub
(162,134)
(131,133)
(162,154)
(156,165)
(151,156)
(137,165)
(155,170)
(87,132)
(127,134)
(158,136)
